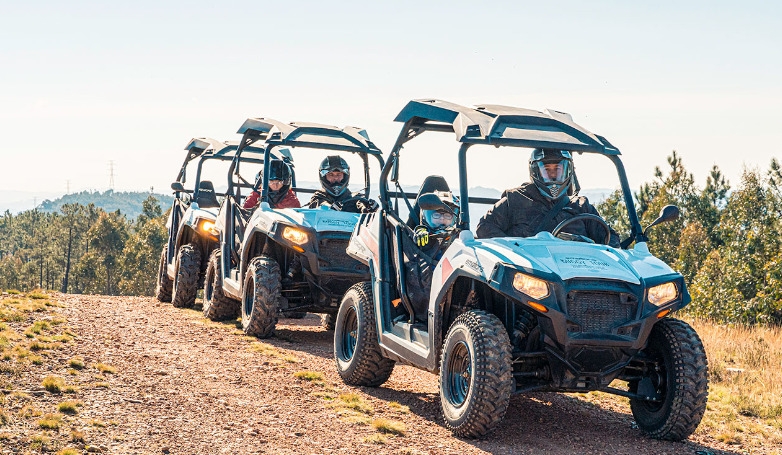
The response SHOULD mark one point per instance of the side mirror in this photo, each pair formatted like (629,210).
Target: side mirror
(177,186)
(668,213)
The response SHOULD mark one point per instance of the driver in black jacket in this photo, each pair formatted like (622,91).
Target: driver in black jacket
(542,204)
(334,175)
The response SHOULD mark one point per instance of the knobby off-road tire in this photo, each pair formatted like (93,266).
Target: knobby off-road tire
(217,305)
(188,266)
(682,382)
(164,284)
(476,378)
(356,352)
(261,294)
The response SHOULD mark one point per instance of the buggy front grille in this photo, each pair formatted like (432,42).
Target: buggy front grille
(599,312)
(332,255)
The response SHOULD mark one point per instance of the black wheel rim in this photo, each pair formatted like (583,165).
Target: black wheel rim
(459,374)
(349,333)
(660,380)
(249,298)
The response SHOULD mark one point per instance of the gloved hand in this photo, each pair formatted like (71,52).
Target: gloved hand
(366,205)
(421,236)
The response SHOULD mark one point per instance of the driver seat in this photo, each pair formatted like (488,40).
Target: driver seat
(431,184)
(205,196)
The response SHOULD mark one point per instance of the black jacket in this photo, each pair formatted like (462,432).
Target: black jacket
(321,197)
(520,210)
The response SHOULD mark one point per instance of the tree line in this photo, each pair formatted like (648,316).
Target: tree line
(82,249)
(726,243)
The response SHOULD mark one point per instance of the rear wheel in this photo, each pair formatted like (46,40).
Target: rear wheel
(476,379)
(187,268)
(260,297)
(356,351)
(164,284)
(217,305)
(679,382)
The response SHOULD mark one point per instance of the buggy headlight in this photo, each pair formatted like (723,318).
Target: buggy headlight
(533,287)
(662,293)
(294,235)
(209,226)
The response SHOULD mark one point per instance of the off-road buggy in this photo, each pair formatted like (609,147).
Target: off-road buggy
(244,276)
(191,232)
(512,315)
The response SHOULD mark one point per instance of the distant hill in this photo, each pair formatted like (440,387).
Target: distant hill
(128,203)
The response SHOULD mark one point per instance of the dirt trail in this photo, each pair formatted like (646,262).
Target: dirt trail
(185,385)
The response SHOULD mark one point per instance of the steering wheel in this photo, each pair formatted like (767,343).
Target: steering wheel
(584,216)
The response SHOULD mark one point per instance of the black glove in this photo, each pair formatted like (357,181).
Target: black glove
(366,205)
(421,236)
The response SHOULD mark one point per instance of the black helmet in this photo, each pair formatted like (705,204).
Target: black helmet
(551,186)
(279,170)
(334,163)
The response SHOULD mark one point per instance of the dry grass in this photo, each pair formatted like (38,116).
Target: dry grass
(50,422)
(309,375)
(70,407)
(77,363)
(389,426)
(53,384)
(353,402)
(106,369)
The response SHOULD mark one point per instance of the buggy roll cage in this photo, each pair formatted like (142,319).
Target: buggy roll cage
(307,135)
(499,126)
(207,149)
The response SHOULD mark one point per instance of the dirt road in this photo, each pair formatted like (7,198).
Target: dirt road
(185,385)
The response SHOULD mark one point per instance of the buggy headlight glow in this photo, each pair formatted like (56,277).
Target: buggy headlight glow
(209,226)
(294,235)
(662,293)
(533,287)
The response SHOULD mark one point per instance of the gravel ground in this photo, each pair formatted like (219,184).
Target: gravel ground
(185,385)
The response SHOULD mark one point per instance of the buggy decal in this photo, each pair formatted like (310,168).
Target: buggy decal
(447,269)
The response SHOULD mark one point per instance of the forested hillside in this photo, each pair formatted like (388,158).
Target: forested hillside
(726,243)
(128,203)
(82,249)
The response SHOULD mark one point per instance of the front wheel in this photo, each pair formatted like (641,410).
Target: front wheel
(678,382)
(217,305)
(187,269)
(260,297)
(164,284)
(476,378)
(356,350)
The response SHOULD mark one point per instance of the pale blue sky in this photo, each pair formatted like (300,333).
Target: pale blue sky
(83,83)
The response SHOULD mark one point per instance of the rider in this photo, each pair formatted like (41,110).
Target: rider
(540,205)
(334,177)
(281,196)
(438,215)
(438,222)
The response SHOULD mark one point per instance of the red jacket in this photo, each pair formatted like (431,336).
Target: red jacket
(290,201)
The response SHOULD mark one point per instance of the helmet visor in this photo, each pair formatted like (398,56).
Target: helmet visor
(554,171)
(439,218)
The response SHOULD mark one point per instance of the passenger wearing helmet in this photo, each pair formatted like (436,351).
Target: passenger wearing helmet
(334,174)
(281,196)
(550,198)
(438,221)
(439,213)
